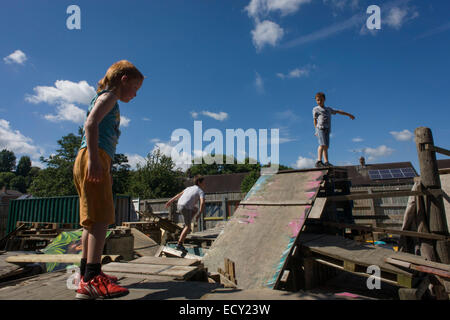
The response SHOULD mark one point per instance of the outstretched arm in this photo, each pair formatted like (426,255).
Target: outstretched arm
(174,199)
(346,114)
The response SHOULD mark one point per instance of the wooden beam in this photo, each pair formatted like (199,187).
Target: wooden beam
(390,194)
(437,149)
(413,234)
(58,258)
(429,176)
(273,203)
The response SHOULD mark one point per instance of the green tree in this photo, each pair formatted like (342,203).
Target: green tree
(19,183)
(121,174)
(24,166)
(5,179)
(7,161)
(157,178)
(249,181)
(57,178)
(227,167)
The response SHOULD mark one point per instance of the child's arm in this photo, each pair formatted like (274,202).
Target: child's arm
(174,198)
(346,114)
(103,105)
(202,207)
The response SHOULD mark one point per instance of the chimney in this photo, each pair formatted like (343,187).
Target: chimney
(362,162)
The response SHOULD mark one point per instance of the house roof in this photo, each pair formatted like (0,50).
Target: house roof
(443,164)
(222,183)
(359,175)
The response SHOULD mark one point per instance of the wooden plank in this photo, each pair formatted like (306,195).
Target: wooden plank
(166,261)
(413,234)
(317,209)
(276,203)
(417,260)
(181,272)
(59,258)
(176,253)
(376,195)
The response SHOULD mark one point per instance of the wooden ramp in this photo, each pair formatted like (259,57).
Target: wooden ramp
(264,229)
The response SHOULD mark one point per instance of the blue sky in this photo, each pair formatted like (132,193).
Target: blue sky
(231,64)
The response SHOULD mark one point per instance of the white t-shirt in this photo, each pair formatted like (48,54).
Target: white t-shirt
(190,197)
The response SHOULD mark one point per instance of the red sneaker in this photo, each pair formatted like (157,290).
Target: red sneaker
(99,287)
(110,278)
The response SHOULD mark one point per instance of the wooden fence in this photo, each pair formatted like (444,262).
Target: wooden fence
(218,207)
(380,212)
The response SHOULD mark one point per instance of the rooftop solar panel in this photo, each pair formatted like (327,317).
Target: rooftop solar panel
(401,173)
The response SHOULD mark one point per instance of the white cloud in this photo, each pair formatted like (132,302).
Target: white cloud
(381,151)
(15,141)
(357,139)
(67,112)
(124,121)
(64,91)
(17,56)
(261,8)
(297,72)
(404,135)
(134,160)
(146,119)
(326,32)
(221,116)
(155,140)
(259,83)
(266,33)
(305,163)
(398,16)
(182,160)
(64,95)
(194,114)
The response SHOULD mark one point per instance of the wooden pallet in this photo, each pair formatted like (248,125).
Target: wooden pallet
(348,255)
(178,269)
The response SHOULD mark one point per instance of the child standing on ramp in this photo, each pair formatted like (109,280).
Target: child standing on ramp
(322,124)
(93,179)
(187,201)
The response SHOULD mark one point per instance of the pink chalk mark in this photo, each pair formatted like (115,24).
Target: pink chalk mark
(296,225)
(313,184)
(316,175)
(250,218)
(310,194)
(347,294)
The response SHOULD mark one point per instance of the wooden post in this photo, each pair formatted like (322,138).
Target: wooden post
(434,205)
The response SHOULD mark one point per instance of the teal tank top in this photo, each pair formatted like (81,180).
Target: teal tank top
(108,129)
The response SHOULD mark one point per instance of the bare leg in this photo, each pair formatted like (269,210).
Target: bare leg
(96,242)
(319,153)
(183,234)
(325,153)
(84,243)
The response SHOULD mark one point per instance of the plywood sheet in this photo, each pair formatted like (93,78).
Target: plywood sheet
(166,261)
(182,272)
(258,239)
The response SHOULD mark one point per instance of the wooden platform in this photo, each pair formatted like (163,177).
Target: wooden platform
(175,268)
(259,238)
(352,256)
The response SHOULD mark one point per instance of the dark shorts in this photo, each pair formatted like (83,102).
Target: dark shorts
(324,137)
(188,214)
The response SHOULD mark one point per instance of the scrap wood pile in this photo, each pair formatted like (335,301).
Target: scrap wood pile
(30,236)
